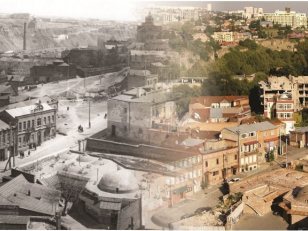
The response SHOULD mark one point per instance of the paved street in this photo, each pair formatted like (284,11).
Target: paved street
(188,206)
(61,143)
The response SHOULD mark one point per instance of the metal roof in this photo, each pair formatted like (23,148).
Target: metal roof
(26,110)
(3,126)
(216,113)
(192,142)
(245,128)
(41,198)
(11,219)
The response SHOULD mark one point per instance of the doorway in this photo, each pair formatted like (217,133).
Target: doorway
(113,130)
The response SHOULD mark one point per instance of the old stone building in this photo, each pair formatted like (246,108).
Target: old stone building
(256,141)
(113,201)
(133,113)
(52,71)
(147,30)
(6,140)
(34,123)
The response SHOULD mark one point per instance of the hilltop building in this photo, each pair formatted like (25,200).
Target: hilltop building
(287,17)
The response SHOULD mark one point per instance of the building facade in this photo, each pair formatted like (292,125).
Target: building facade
(34,124)
(287,17)
(134,112)
(6,140)
(256,141)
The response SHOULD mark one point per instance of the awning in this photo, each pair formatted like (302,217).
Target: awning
(180,190)
(272,139)
(251,142)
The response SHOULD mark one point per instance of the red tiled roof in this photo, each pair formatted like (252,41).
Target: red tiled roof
(204,114)
(251,142)
(271,139)
(208,100)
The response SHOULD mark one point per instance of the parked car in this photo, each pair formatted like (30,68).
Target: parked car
(187,216)
(203,209)
(234,180)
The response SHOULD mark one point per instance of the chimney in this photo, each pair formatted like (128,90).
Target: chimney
(138,92)
(25,32)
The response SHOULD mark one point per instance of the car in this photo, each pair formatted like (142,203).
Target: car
(187,216)
(234,180)
(203,209)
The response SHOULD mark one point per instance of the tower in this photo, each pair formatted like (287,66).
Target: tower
(25,33)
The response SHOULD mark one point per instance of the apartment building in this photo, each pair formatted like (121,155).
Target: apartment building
(230,38)
(287,17)
(255,142)
(282,96)
(35,123)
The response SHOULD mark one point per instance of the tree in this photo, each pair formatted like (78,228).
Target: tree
(70,187)
(204,183)
(184,93)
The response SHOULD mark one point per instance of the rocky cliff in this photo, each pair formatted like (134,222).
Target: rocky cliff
(37,39)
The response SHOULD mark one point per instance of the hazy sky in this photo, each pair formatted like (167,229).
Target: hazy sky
(124,9)
(104,9)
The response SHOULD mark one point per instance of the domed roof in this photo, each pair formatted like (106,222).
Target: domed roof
(121,181)
(302,195)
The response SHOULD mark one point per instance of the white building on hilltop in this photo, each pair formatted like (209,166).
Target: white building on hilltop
(287,17)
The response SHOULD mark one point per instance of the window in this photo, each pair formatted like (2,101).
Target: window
(125,110)
(24,125)
(265,134)
(39,122)
(24,141)
(215,173)
(48,119)
(244,135)
(260,145)
(140,131)
(217,161)
(235,157)
(252,134)
(206,164)
(44,120)
(190,175)
(19,142)
(199,172)
(52,118)
(272,133)
(33,123)
(20,126)
(125,129)
(28,124)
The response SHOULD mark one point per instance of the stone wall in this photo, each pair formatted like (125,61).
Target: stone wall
(130,215)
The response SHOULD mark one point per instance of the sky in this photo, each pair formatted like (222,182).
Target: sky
(125,9)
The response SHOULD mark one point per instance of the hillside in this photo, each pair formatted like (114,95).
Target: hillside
(12,39)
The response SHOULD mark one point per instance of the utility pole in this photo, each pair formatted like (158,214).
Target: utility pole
(89,113)
(280,140)
(286,153)
(226,160)
(68,84)
(239,147)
